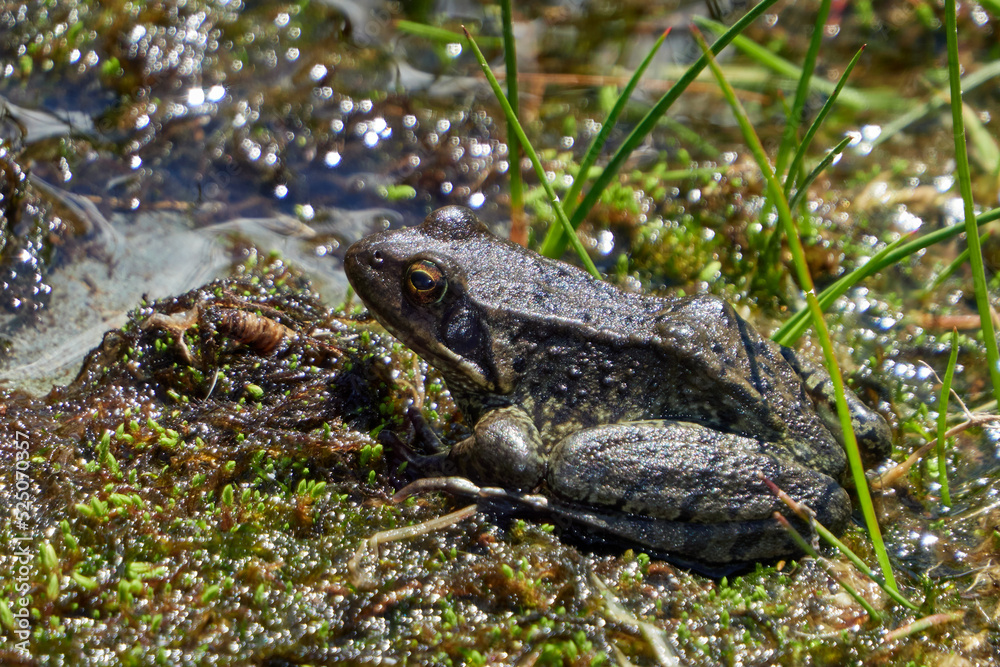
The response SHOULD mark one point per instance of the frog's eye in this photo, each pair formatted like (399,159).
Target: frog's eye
(425,282)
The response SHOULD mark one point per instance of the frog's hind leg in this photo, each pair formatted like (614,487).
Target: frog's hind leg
(688,489)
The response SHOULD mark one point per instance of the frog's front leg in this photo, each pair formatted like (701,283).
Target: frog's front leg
(687,489)
(505,450)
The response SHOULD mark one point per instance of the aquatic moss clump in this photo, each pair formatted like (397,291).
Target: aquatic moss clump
(199,490)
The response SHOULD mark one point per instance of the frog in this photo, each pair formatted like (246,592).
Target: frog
(635,419)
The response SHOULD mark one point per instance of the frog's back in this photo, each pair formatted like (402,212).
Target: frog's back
(591,353)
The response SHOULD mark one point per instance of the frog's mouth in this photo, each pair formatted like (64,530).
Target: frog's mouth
(459,372)
(373,270)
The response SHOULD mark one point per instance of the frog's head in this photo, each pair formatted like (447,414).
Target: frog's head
(415,282)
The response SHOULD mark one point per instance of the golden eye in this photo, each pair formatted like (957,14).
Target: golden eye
(425,282)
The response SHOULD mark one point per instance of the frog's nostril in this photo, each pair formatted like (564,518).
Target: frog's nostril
(376,258)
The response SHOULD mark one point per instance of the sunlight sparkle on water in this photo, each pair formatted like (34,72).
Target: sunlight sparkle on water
(908,371)
(379,125)
(605,242)
(905,221)
(195,97)
(944,182)
(216,93)
(477,200)
(954,211)
(864,141)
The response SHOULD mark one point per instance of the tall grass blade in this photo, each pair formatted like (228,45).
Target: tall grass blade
(533,156)
(777,196)
(800,154)
(849,97)
(801,93)
(594,150)
(942,422)
(513,143)
(894,253)
(803,187)
(555,242)
(965,187)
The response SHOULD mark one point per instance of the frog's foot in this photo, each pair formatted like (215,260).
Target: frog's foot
(423,434)
(425,463)
(424,450)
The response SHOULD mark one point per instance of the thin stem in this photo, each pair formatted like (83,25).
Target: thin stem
(777,196)
(555,243)
(942,422)
(533,156)
(965,187)
(801,93)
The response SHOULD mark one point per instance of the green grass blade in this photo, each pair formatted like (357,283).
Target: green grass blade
(555,243)
(801,93)
(985,151)
(949,270)
(803,187)
(942,422)
(533,156)
(594,150)
(808,549)
(985,73)
(892,254)
(824,533)
(513,143)
(965,187)
(777,196)
(848,96)
(441,34)
(800,154)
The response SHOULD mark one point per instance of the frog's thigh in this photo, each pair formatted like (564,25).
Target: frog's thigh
(687,473)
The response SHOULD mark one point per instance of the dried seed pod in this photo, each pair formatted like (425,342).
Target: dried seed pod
(261,333)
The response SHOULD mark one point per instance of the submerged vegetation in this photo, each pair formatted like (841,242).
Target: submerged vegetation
(197,493)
